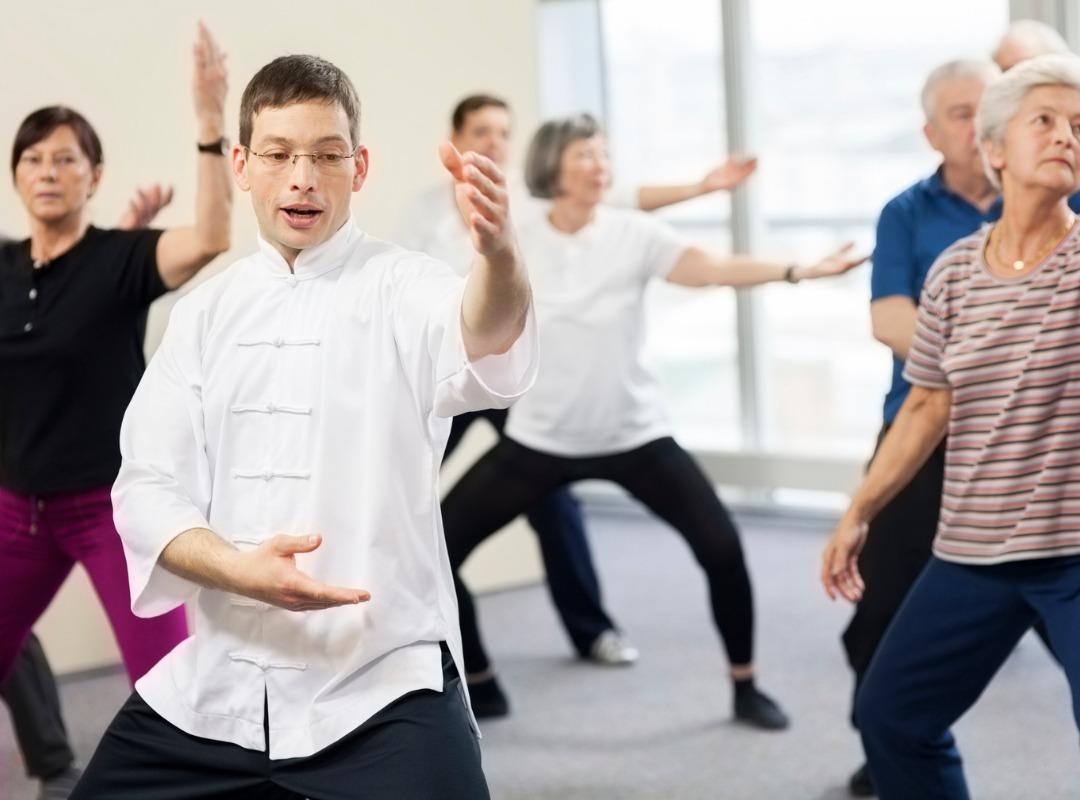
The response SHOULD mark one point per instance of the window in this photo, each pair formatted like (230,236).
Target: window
(835,119)
(839,126)
(664,104)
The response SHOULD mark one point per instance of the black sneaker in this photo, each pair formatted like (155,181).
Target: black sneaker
(860,784)
(488,699)
(755,708)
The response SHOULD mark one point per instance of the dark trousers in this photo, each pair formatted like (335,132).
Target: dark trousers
(560,526)
(898,547)
(957,626)
(420,747)
(511,478)
(31,696)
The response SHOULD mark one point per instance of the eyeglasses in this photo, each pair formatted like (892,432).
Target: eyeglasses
(324,163)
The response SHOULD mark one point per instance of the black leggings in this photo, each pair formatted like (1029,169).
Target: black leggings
(510,478)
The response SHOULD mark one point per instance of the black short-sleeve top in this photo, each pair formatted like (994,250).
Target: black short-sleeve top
(71,355)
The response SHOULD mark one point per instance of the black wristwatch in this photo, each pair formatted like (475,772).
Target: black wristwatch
(218,148)
(789,273)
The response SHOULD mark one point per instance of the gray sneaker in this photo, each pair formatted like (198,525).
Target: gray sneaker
(613,649)
(60,787)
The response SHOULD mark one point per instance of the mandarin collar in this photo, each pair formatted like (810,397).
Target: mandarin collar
(313,261)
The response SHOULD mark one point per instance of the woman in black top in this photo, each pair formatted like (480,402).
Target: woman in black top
(73,302)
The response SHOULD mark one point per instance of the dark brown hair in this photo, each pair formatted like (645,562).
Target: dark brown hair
(298,79)
(474,102)
(40,125)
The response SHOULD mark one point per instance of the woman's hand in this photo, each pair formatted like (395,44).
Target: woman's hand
(836,263)
(209,86)
(840,560)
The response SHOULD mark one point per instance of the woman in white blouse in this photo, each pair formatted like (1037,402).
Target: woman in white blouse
(595,412)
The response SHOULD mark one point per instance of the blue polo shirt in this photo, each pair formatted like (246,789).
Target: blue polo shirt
(914,228)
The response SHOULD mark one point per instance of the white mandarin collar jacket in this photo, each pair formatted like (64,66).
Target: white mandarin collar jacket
(316,400)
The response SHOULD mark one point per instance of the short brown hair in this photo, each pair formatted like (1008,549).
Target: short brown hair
(547,147)
(474,102)
(39,125)
(298,79)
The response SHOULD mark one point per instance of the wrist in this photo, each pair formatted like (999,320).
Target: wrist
(232,573)
(502,259)
(211,129)
(857,514)
(793,273)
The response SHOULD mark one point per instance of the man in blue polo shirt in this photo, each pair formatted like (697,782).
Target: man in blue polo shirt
(913,230)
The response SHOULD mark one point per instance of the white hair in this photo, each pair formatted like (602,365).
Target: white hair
(1035,36)
(1003,97)
(962,69)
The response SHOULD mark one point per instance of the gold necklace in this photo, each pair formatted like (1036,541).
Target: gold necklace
(1043,250)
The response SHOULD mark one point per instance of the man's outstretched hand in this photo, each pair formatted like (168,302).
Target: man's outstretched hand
(482,199)
(269,574)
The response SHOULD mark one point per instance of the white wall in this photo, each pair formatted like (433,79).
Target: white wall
(126,66)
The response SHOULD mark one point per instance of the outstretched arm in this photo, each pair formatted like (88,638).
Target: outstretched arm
(700,267)
(182,252)
(268,573)
(725,177)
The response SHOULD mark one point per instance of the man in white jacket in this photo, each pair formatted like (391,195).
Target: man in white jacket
(280,468)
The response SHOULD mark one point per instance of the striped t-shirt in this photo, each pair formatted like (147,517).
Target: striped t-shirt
(1009,349)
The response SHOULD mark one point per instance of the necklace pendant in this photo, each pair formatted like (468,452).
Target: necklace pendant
(1018,265)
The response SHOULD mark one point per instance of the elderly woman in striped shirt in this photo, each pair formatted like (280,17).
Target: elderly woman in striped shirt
(996,364)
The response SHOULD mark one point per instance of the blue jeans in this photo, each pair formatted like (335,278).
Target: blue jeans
(571,576)
(955,629)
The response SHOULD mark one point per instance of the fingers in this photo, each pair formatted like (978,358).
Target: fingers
(451,159)
(482,182)
(209,57)
(307,594)
(486,166)
(827,570)
(288,545)
(840,571)
(485,207)
(487,230)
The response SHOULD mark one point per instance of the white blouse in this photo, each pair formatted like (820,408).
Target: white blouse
(594,395)
(314,402)
(432,223)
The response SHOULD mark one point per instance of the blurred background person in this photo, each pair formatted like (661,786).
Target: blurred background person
(73,301)
(594,412)
(483,123)
(1027,38)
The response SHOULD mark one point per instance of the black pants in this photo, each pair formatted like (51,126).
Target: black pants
(511,478)
(31,696)
(898,547)
(420,747)
(560,526)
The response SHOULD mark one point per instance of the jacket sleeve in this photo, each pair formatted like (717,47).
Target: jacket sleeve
(163,487)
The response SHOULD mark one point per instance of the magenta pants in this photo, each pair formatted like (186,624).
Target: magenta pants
(41,539)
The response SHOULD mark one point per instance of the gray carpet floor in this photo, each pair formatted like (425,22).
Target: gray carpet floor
(661,730)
